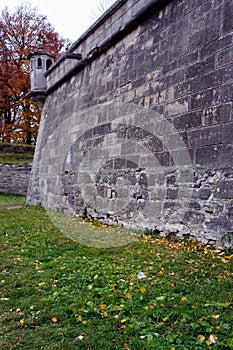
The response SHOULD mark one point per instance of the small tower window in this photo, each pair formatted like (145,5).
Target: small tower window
(48,63)
(39,62)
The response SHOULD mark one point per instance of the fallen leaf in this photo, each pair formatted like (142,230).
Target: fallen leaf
(121,329)
(201,337)
(141,276)
(80,337)
(142,290)
(115,340)
(212,339)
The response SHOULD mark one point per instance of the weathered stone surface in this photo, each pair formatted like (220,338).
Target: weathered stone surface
(14,178)
(224,189)
(204,193)
(205,136)
(147,123)
(221,223)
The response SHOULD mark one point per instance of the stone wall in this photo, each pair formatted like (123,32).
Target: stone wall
(14,178)
(142,133)
(17,148)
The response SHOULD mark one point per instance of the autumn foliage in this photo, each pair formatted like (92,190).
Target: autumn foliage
(20,33)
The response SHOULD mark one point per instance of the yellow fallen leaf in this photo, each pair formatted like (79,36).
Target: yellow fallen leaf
(142,289)
(80,318)
(22,321)
(212,339)
(54,319)
(201,337)
(183,298)
(123,320)
(103,306)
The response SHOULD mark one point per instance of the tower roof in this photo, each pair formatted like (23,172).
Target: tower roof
(41,51)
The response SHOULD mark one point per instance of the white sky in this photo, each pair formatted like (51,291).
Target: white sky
(70,18)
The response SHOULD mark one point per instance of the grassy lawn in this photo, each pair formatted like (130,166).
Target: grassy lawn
(7,201)
(15,158)
(16,153)
(58,294)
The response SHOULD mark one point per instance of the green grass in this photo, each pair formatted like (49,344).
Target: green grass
(11,200)
(58,294)
(15,158)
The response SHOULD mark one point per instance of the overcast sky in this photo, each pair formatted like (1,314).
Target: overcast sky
(70,18)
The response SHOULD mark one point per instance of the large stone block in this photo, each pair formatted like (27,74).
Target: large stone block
(228,24)
(205,136)
(224,189)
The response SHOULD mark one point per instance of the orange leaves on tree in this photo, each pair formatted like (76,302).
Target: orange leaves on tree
(20,33)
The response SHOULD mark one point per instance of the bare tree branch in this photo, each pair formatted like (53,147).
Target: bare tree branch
(102,6)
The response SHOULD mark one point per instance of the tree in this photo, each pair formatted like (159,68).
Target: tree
(102,6)
(20,33)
